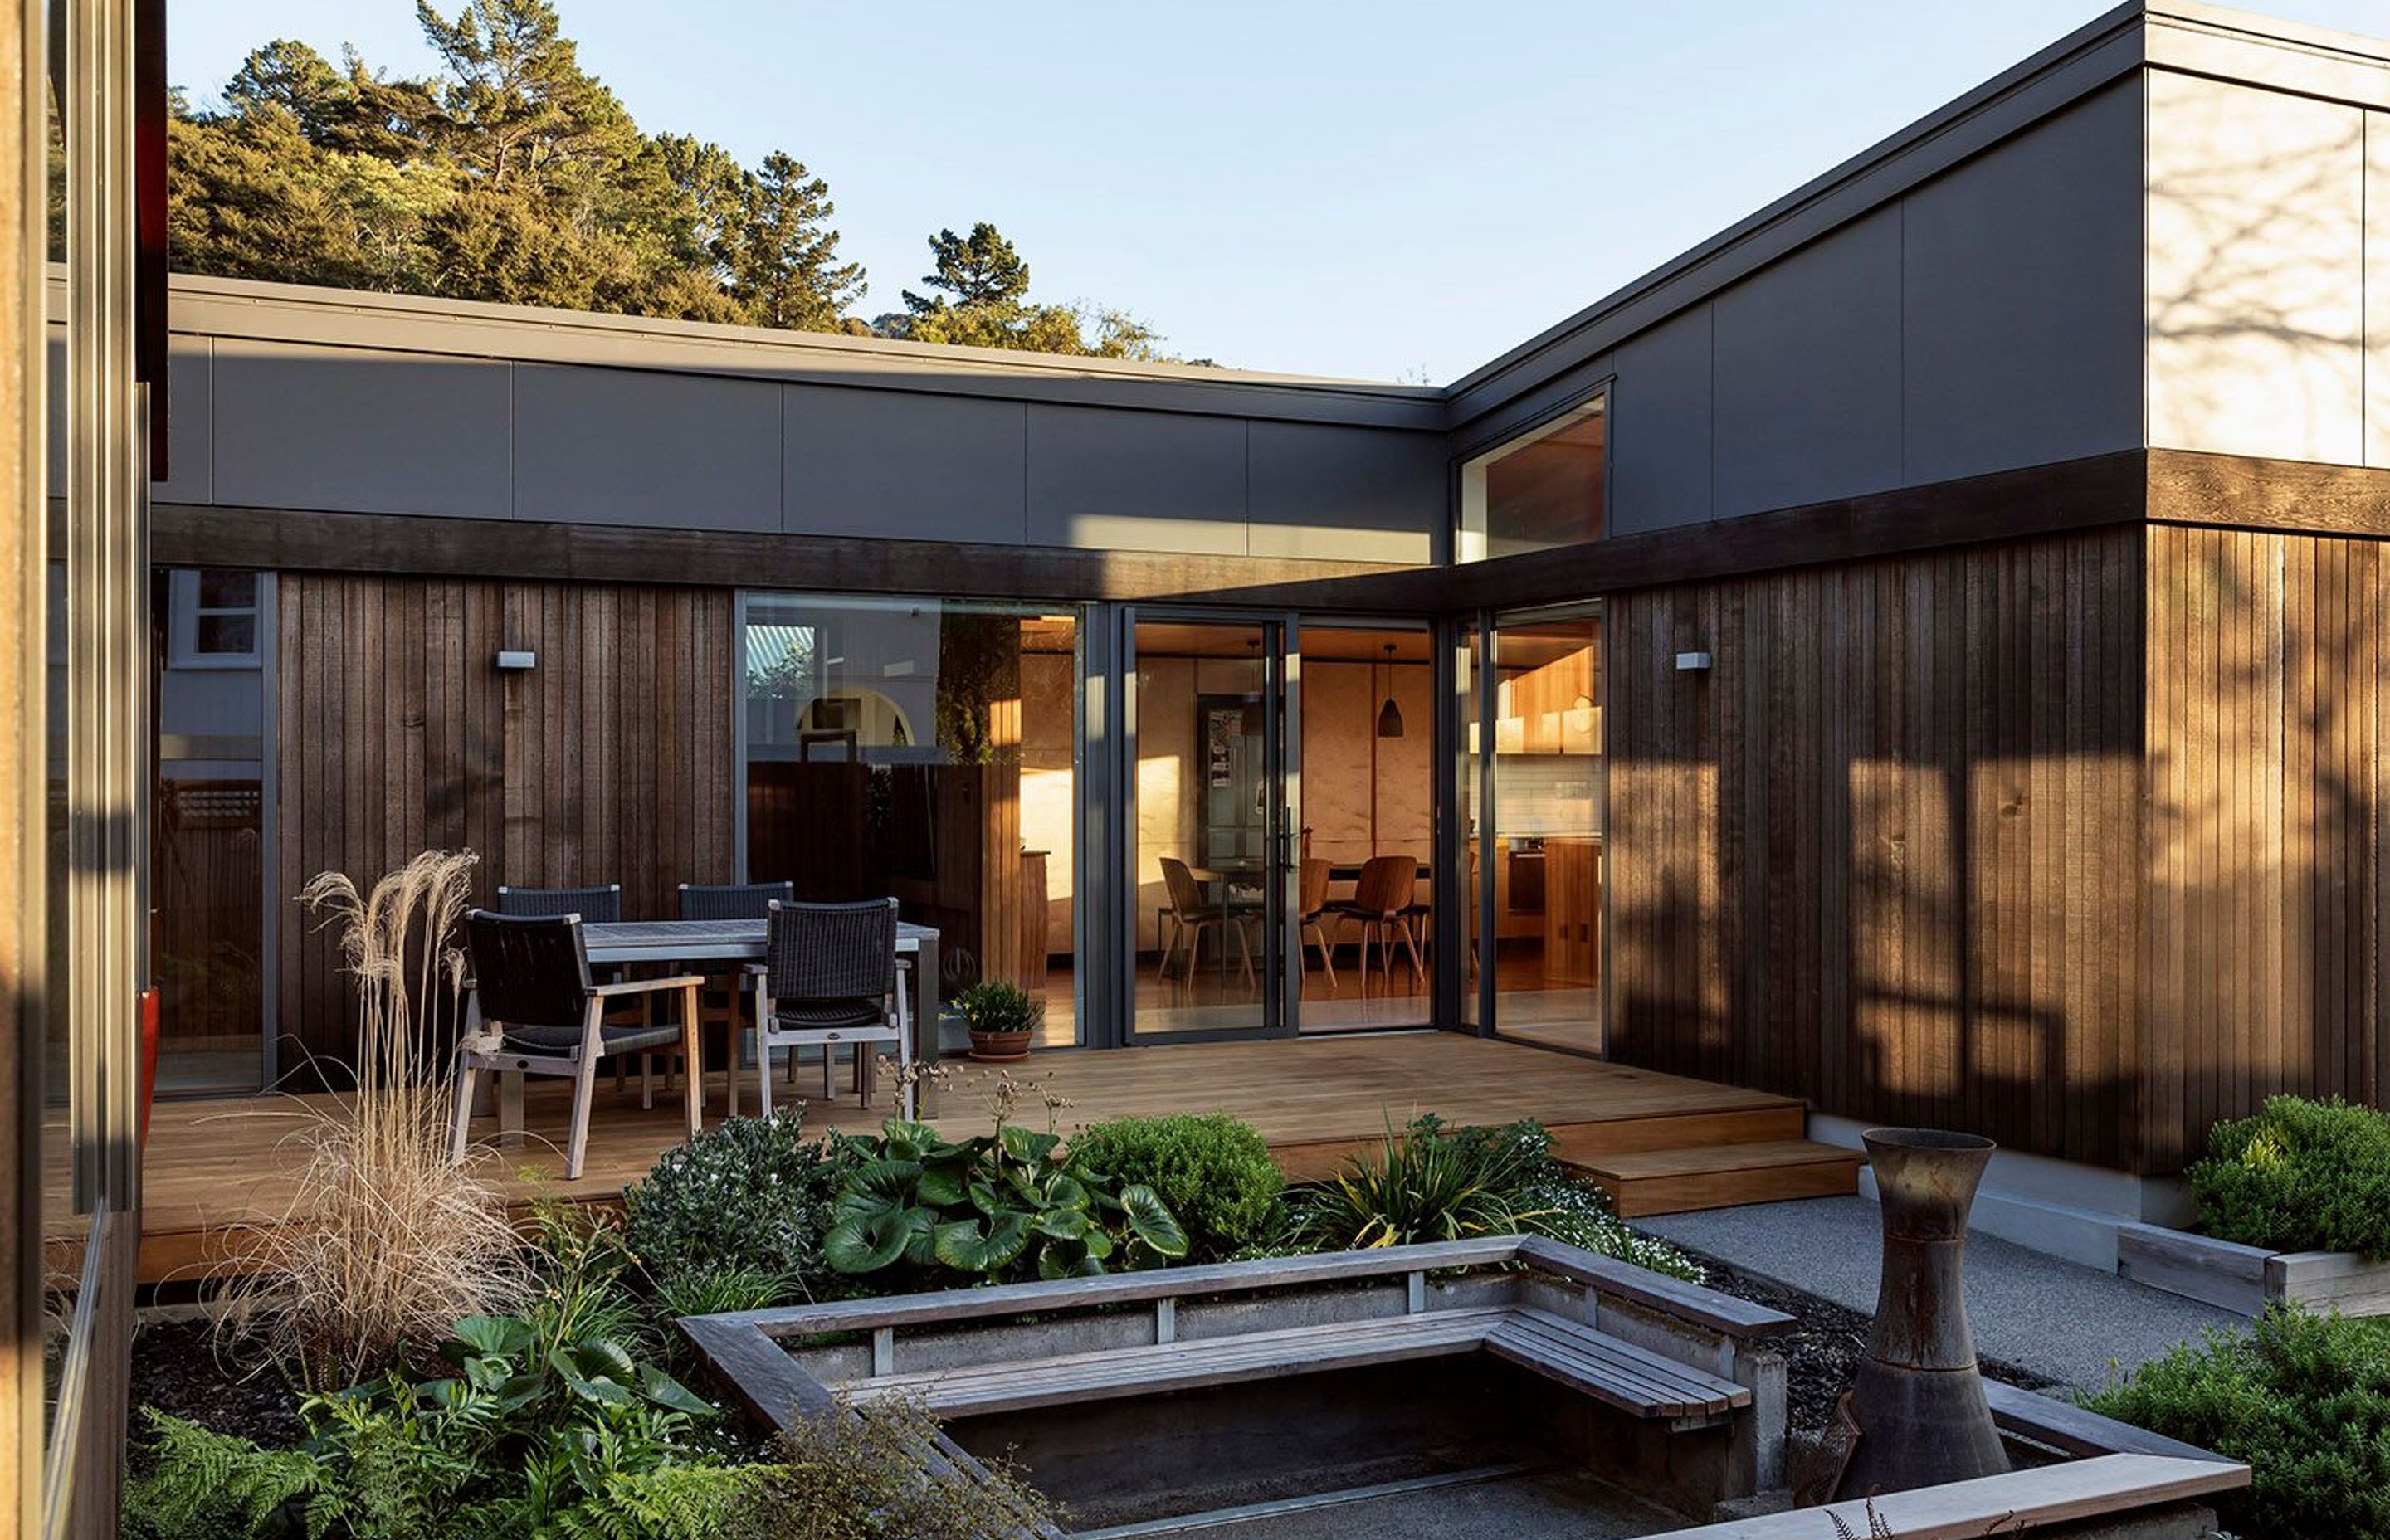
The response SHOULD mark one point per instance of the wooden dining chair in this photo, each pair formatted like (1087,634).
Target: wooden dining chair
(1191,913)
(532,1009)
(1381,906)
(831,978)
(1313,929)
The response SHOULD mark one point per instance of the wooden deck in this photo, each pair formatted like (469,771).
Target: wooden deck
(214,1165)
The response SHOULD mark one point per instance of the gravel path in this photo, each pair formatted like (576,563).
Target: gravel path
(2052,1319)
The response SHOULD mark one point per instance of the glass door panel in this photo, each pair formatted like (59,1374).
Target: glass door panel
(1545,861)
(1368,821)
(1212,790)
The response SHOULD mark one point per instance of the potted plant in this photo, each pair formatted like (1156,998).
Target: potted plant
(1000,1016)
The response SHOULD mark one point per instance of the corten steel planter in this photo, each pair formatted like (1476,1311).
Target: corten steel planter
(1919,1404)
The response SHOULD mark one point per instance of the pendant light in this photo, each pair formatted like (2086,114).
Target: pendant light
(1390,716)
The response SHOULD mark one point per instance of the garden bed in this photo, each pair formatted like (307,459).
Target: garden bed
(2245,1279)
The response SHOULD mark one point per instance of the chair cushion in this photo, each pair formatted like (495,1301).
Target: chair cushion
(824,1015)
(564,1040)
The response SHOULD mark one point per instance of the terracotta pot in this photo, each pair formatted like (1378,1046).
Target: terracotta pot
(1000,1048)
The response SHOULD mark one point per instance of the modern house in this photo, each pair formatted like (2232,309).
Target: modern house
(1917,651)
(1921,652)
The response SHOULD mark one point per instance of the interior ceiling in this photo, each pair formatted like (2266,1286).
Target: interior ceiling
(1522,648)
(1320,643)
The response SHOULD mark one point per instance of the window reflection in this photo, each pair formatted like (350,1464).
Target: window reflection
(1540,490)
(923,750)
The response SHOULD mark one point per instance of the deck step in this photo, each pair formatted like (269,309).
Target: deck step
(1718,1176)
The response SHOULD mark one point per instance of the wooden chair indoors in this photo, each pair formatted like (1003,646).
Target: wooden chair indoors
(532,1009)
(831,979)
(1381,903)
(1193,911)
(718,1005)
(1313,929)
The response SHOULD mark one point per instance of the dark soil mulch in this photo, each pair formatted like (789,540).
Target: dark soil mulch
(1822,1357)
(179,1368)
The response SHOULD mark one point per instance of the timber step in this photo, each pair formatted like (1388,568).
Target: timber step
(1642,1183)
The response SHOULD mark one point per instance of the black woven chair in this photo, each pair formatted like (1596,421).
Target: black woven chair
(534,1010)
(718,1005)
(831,978)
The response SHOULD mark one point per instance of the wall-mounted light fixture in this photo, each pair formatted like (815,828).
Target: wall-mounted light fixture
(517,663)
(1692,663)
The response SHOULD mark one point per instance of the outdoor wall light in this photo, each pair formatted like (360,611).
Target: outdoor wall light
(1692,663)
(517,663)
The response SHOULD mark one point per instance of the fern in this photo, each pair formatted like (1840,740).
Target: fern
(203,1486)
(687,1502)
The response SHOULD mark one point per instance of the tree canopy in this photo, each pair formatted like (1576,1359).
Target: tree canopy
(513,174)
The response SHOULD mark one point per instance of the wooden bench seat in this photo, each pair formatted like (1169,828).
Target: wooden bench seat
(1638,1382)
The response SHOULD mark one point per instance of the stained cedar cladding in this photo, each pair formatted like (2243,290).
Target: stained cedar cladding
(611,760)
(2262,942)
(1884,853)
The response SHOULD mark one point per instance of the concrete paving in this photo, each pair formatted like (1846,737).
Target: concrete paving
(2068,1323)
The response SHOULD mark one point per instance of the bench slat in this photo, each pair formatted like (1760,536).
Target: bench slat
(1619,1373)
(1604,1366)
(1300,1346)
(1598,1374)
(978,1389)
(1644,1360)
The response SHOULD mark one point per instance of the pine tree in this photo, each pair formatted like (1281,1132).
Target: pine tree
(513,174)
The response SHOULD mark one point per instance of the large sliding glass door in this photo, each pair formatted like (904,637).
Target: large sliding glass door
(1215,761)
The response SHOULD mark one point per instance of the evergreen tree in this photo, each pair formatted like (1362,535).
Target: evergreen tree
(981,298)
(787,273)
(513,174)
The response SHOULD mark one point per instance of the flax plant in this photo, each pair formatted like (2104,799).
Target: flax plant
(384,1243)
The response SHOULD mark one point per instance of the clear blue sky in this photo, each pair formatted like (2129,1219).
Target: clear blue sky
(1388,190)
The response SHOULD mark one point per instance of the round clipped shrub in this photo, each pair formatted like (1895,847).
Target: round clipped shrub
(748,1196)
(1211,1170)
(2303,1399)
(2298,1176)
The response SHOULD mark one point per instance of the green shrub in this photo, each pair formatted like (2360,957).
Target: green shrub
(2303,1399)
(529,1434)
(583,1277)
(921,1211)
(1213,1170)
(867,1478)
(2299,1176)
(749,1195)
(1428,1182)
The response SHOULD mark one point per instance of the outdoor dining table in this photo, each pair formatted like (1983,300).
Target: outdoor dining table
(723,940)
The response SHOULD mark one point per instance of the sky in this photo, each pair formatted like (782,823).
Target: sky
(1387,190)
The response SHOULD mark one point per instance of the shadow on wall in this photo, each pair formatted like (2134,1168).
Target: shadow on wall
(1890,855)
(2256,271)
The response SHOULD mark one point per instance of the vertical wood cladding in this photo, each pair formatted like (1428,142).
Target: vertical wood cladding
(608,762)
(1885,852)
(2263,939)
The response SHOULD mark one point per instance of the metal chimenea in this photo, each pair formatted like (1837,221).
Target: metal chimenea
(1919,1404)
